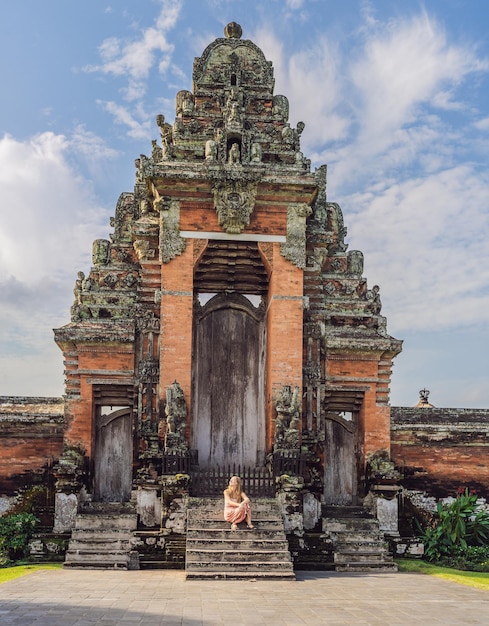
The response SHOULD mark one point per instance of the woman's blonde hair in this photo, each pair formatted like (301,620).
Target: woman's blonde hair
(235,489)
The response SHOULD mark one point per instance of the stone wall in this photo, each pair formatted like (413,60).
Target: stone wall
(440,450)
(31,439)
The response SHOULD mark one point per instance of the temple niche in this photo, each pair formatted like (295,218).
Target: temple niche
(224,321)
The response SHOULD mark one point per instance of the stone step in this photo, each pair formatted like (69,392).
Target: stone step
(239,566)
(361,557)
(360,524)
(258,574)
(108,560)
(231,544)
(100,545)
(352,536)
(361,546)
(106,522)
(215,551)
(200,555)
(93,534)
(207,534)
(374,566)
(102,538)
(210,524)
(102,564)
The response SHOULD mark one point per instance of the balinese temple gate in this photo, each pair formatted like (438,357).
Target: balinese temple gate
(225,322)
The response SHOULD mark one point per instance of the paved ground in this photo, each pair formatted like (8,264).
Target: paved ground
(150,598)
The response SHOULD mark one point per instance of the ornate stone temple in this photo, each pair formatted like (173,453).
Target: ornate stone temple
(225,322)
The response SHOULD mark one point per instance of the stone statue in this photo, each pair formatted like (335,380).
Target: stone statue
(176,418)
(100,251)
(166,133)
(185,102)
(355,262)
(287,423)
(233,111)
(210,150)
(256,152)
(288,134)
(373,298)
(157,152)
(280,107)
(234,154)
(78,287)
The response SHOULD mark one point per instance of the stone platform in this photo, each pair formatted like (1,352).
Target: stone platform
(150,598)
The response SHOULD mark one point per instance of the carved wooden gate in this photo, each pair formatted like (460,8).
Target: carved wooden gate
(228,407)
(113,456)
(340,459)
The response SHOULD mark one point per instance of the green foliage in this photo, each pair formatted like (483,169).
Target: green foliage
(456,531)
(15,533)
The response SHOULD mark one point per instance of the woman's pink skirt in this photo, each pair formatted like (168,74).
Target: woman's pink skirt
(235,515)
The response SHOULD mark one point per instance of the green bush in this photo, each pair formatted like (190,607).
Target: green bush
(15,533)
(458,532)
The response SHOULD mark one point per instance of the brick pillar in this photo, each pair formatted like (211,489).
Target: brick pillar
(176,322)
(284,333)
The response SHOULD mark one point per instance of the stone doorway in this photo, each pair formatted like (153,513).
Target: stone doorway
(228,372)
(341,458)
(113,452)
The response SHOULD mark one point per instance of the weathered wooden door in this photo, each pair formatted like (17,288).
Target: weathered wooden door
(228,401)
(113,456)
(340,459)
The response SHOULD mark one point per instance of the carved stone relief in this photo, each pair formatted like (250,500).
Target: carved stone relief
(355,262)
(234,202)
(100,251)
(171,243)
(288,407)
(176,419)
(294,249)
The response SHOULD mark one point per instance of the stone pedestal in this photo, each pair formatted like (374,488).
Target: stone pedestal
(149,506)
(65,510)
(386,508)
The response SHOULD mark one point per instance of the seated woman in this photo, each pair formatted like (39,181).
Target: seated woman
(236,504)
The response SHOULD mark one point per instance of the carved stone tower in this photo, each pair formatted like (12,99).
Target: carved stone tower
(224,321)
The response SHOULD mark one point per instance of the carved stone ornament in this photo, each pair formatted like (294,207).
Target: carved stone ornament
(288,419)
(176,419)
(149,371)
(294,249)
(171,244)
(234,202)
(143,249)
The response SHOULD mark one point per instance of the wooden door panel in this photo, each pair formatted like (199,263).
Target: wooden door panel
(113,457)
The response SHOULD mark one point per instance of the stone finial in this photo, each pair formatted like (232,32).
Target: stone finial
(233,31)
(423,399)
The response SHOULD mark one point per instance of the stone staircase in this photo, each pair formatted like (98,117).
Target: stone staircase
(359,545)
(215,551)
(101,538)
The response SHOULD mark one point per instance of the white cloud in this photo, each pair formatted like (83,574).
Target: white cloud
(403,65)
(294,4)
(482,124)
(47,223)
(123,115)
(48,220)
(88,144)
(134,60)
(425,243)
(301,76)
(48,213)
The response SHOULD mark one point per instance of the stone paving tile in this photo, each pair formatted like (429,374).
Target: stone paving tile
(155,598)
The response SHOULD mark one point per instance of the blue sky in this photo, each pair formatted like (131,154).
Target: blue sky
(395,98)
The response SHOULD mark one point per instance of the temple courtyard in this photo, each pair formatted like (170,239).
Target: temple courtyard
(150,598)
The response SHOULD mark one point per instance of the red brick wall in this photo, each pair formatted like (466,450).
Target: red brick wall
(31,438)
(440,450)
